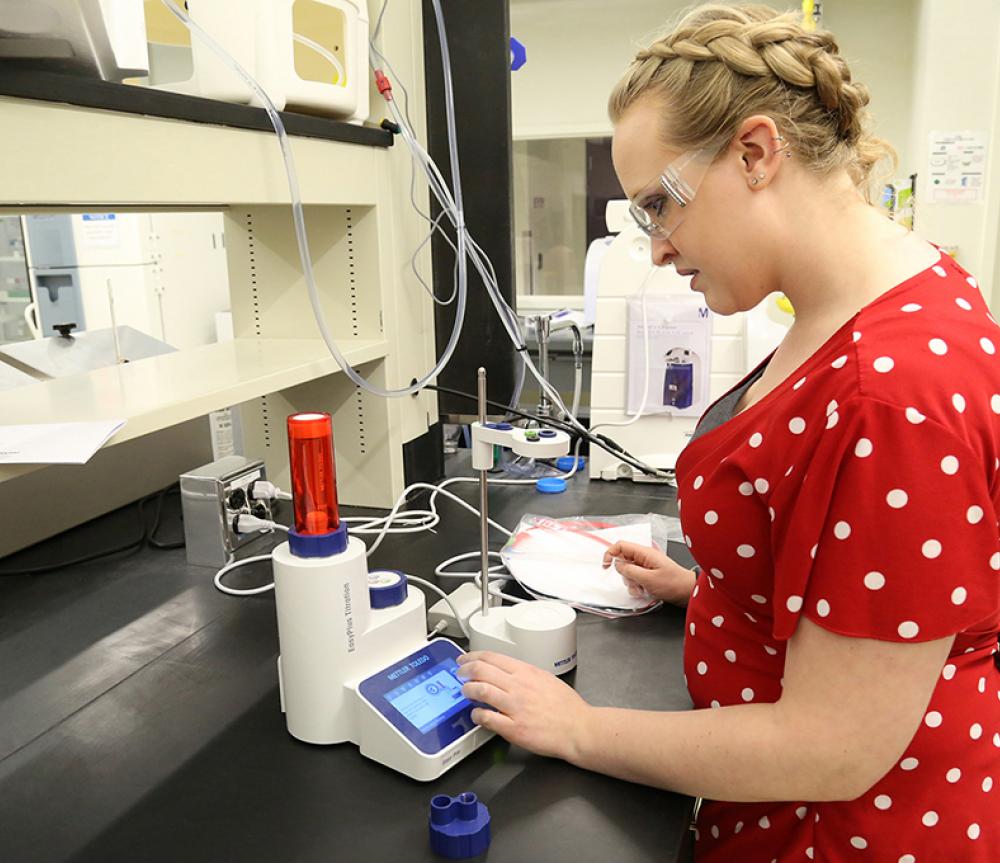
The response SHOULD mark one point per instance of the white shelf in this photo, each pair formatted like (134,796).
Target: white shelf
(162,391)
(11,259)
(120,160)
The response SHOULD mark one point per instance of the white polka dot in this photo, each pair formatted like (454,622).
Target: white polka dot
(931,549)
(801,812)
(953,775)
(715,703)
(982,685)
(798,383)
(958,402)
(948,672)
(909,764)
(830,408)
(975,731)
(883,802)
(789,471)
(717,573)
(897,498)
(695,591)
(856,336)
(839,363)
(883,365)
(711,517)
(963,303)
(823,608)
(972,282)
(973,831)
(914,416)
(730,655)
(907,858)
(987,346)
(718,620)
(908,629)
(698,480)
(841,530)
(763,822)
(812,551)
(930,818)
(832,420)
(691,628)
(794,604)
(874,581)
(995,403)
(761,485)
(760,600)
(949,465)
(996,738)
(738,827)
(939,270)
(974,514)
(756,440)
(859,842)
(959,595)
(933,719)
(863,448)
(987,785)
(797,425)
(702,667)
(995,561)
(746,489)
(770,512)
(746,551)
(749,616)
(938,346)
(770,651)
(687,540)
(911,307)
(747,695)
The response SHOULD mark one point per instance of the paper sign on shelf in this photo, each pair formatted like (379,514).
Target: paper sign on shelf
(957,167)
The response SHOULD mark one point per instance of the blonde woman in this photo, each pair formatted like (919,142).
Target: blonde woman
(841,502)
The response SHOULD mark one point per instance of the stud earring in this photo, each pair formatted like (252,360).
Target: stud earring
(761,175)
(754,181)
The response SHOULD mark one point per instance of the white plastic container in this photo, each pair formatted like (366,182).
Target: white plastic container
(308,55)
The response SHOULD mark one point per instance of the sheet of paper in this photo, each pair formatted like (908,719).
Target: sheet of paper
(54,443)
(957,167)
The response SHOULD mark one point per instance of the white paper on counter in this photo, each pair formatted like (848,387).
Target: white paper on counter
(55,443)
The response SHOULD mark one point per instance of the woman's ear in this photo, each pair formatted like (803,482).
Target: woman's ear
(760,150)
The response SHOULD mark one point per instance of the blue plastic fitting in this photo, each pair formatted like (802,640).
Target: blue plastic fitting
(565,462)
(547,433)
(459,826)
(320,544)
(551,485)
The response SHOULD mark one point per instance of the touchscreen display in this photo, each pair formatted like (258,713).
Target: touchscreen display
(430,697)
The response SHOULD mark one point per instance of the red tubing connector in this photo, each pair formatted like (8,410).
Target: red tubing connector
(383,84)
(314,476)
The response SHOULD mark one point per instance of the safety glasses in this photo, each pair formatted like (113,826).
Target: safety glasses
(661,207)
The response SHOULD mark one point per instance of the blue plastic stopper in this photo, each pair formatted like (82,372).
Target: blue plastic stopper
(459,826)
(386,587)
(565,462)
(551,485)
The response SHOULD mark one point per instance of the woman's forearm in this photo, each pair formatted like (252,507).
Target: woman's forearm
(743,753)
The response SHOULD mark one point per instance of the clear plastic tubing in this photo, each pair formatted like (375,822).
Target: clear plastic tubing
(299,216)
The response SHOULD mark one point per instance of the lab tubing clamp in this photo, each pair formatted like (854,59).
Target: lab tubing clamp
(348,671)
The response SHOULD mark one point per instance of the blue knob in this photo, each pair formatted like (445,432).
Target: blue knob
(386,588)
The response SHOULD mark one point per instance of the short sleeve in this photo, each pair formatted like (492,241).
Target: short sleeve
(890,532)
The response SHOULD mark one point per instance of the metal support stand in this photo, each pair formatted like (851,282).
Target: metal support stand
(484,525)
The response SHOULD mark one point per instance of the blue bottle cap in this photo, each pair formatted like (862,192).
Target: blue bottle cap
(547,433)
(565,462)
(551,485)
(386,587)
(459,826)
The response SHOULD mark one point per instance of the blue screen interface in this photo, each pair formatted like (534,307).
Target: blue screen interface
(430,697)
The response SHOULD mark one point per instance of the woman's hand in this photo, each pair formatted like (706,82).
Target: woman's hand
(649,571)
(533,708)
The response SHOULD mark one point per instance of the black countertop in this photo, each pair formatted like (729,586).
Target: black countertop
(139,717)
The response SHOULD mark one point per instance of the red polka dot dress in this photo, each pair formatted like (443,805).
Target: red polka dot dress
(863,493)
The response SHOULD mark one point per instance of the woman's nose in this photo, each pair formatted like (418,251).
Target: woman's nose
(661,251)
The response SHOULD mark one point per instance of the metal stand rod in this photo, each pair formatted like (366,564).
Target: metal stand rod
(484,526)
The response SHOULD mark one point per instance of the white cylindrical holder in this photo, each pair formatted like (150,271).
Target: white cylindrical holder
(323,610)
(541,632)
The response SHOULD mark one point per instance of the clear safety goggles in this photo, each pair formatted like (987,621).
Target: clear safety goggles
(660,208)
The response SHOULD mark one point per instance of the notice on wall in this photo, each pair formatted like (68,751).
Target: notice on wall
(100,231)
(957,167)
(669,356)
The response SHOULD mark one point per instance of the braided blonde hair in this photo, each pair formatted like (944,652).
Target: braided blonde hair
(722,64)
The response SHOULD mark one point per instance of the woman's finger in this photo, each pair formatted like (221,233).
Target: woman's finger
(491,720)
(487,693)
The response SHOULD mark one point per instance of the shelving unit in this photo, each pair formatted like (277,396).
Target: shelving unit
(362,230)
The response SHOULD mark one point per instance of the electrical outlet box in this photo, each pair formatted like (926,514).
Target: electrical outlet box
(211,497)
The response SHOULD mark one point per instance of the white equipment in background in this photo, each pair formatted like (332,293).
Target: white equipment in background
(308,56)
(163,274)
(623,266)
